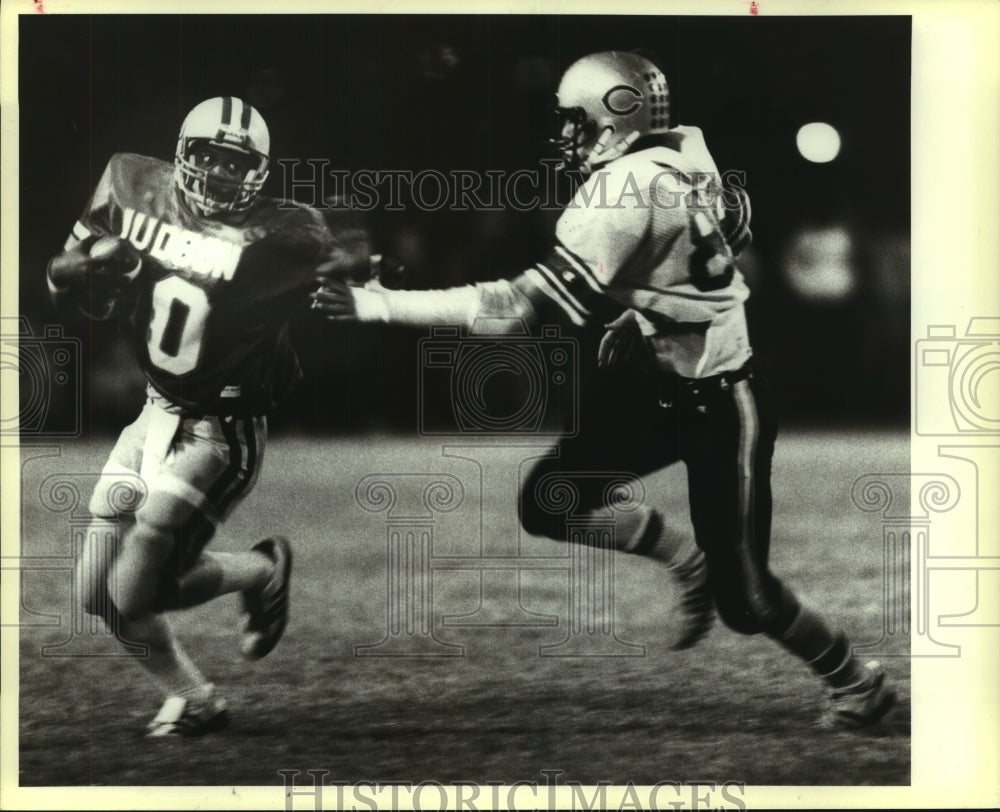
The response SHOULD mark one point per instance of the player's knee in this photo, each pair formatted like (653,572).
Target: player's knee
(118,494)
(131,604)
(94,598)
(765,612)
(541,505)
(534,520)
(98,602)
(96,557)
(537,522)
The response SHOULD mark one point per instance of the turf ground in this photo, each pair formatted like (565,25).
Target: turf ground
(731,709)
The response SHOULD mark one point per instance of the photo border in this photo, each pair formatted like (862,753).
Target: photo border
(955,249)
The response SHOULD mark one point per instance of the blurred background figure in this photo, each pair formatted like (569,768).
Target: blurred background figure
(833,318)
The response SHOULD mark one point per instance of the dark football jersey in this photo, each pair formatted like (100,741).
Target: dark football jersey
(208,313)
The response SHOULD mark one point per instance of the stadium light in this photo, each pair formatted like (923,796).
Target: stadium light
(818,142)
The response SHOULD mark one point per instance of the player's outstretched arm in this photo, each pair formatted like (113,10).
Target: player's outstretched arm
(91,275)
(503,299)
(416,308)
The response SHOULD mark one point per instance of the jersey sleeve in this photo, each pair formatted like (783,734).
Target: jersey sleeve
(346,244)
(95,220)
(735,223)
(734,211)
(596,238)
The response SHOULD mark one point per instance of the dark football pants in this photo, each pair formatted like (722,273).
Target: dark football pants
(724,432)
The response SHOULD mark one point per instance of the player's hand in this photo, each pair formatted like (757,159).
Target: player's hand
(341,302)
(341,266)
(344,265)
(335,300)
(107,265)
(114,263)
(620,338)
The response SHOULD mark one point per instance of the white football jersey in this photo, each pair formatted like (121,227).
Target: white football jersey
(646,233)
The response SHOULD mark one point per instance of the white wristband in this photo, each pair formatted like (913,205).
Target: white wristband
(370,305)
(419,308)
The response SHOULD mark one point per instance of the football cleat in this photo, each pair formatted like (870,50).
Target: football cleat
(189,715)
(861,705)
(266,610)
(696,608)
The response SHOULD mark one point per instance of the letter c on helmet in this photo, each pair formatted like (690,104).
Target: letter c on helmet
(621,107)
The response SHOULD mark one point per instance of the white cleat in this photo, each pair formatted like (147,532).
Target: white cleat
(189,716)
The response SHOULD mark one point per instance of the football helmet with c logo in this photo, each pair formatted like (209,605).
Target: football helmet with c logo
(609,95)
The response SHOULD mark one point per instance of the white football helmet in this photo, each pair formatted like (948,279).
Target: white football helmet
(614,91)
(231,123)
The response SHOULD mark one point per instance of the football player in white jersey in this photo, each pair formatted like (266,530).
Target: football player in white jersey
(647,248)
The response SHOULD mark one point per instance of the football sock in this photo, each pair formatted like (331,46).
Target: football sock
(637,532)
(827,653)
(199,584)
(628,531)
(647,531)
(243,570)
(167,664)
(198,693)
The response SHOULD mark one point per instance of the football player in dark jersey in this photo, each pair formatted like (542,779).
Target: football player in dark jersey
(647,249)
(202,273)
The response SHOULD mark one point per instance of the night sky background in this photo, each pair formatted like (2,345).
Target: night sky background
(475,92)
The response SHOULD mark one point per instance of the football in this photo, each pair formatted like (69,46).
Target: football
(116,255)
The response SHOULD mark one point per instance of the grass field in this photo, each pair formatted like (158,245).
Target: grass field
(731,709)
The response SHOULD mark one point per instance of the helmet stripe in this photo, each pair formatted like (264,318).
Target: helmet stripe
(245,117)
(218,122)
